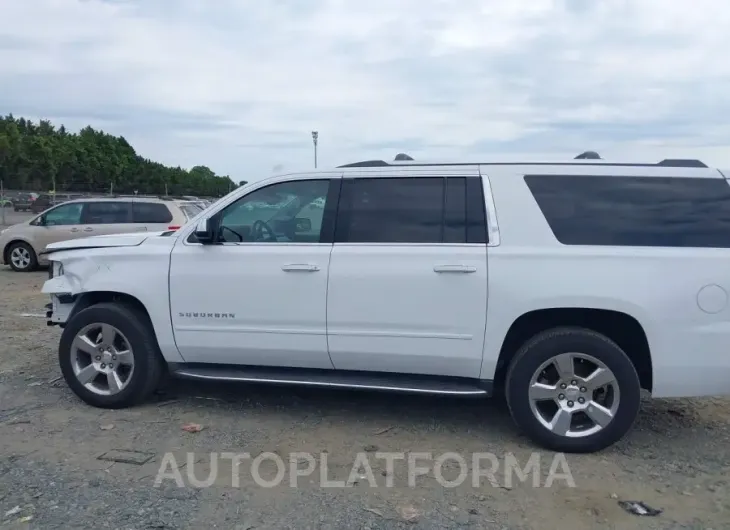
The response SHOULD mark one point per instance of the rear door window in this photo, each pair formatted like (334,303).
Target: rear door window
(423,210)
(107,213)
(151,213)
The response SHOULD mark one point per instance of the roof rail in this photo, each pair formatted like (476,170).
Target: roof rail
(680,162)
(367,163)
(669,162)
(588,155)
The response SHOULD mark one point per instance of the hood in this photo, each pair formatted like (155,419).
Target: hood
(12,228)
(112,240)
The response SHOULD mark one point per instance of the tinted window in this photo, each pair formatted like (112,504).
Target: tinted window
(392,210)
(106,212)
(476,217)
(288,212)
(635,211)
(151,213)
(66,214)
(454,211)
(412,210)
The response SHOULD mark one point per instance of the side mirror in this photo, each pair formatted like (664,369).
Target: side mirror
(204,231)
(41,221)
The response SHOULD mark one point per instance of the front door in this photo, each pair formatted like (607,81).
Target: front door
(59,224)
(259,295)
(408,276)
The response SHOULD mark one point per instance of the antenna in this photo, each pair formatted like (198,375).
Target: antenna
(402,157)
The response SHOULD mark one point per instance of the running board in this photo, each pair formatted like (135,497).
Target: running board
(415,384)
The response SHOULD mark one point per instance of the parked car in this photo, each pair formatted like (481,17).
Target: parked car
(22,244)
(45,201)
(567,287)
(24,201)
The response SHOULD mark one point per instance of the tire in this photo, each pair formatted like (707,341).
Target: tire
(148,364)
(24,249)
(544,348)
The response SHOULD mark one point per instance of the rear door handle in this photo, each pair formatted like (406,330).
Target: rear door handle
(299,267)
(454,268)
(88,229)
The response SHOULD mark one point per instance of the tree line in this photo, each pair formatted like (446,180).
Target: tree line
(40,157)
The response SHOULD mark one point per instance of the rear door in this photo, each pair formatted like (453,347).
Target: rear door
(407,287)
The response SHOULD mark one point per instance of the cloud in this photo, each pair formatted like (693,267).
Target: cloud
(239,85)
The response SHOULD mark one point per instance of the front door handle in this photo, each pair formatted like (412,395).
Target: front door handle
(299,267)
(455,268)
(74,229)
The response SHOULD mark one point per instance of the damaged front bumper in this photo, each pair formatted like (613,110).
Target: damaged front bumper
(62,301)
(59,310)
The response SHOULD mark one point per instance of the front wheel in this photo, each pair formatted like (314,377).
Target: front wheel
(573,390)
(109,356)
(22,257)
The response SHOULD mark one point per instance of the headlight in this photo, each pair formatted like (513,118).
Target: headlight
(55,269)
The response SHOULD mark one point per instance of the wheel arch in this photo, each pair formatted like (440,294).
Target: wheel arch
(622,328)
(9,244)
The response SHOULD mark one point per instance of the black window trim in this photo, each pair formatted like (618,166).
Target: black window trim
(329,217)
(344,211)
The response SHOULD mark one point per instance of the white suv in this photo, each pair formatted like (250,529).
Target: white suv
(570,287)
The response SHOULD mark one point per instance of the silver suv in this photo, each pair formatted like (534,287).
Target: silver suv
(22,244)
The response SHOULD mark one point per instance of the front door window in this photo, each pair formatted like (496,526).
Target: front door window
(66,214)
(287,212)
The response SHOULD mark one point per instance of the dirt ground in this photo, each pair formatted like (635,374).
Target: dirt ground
(676,459)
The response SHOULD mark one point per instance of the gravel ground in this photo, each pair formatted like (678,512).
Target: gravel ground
(676,459)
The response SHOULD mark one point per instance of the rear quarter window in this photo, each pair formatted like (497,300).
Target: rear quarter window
(635,211)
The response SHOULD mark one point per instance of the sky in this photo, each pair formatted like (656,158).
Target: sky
(238,85)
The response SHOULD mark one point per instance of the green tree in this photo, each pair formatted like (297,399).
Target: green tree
(41,157)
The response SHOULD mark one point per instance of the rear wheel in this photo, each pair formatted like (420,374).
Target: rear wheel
(22,258)
(573,390)
(109,356)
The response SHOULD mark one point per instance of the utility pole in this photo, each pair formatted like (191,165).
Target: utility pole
(315,137)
